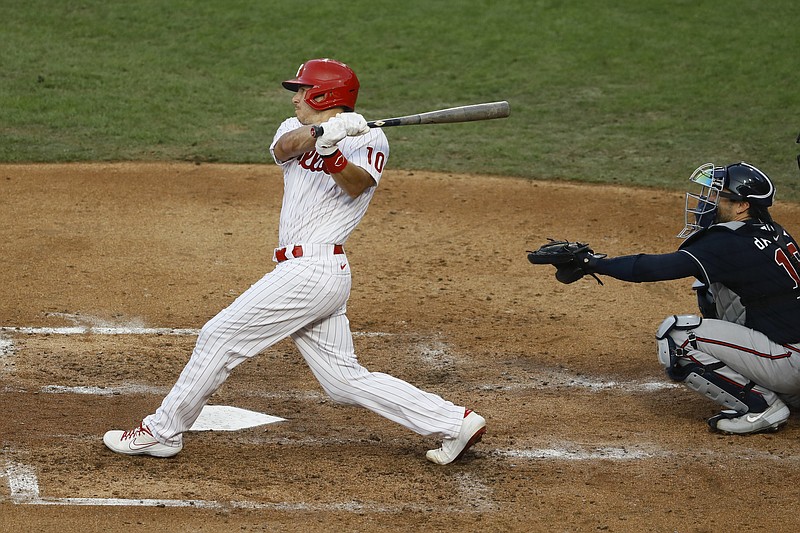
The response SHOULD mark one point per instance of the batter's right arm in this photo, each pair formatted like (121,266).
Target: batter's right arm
(353,180)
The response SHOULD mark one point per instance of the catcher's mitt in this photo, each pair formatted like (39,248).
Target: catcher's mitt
(571,259)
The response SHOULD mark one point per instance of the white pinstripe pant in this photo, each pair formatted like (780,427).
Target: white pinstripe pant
(304,298)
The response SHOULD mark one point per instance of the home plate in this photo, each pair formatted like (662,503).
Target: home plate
(227,418)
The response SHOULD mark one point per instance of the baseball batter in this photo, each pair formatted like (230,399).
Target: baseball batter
(328,184)
(744,352)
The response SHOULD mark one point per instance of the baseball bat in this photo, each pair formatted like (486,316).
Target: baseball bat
(464,113)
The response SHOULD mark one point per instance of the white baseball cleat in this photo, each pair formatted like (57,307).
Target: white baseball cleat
(472,429)
(138,441)
(770,419)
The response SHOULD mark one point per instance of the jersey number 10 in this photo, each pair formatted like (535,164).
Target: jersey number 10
(376,159)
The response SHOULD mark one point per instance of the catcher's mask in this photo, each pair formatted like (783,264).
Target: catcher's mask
(701,208)
(739,182)
(332,80)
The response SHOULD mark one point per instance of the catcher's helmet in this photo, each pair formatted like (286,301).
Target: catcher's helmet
(739,181)
(329,78)
(748,184)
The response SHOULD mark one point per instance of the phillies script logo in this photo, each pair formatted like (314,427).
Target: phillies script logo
(311,161)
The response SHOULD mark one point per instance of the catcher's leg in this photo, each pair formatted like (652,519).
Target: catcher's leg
(700,372)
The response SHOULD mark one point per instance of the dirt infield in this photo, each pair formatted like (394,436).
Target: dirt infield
(106,270)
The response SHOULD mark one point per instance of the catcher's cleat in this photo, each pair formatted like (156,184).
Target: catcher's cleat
(732,422)
(138,441)
(472,429)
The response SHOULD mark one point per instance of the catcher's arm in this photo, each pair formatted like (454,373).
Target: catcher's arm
(572,260)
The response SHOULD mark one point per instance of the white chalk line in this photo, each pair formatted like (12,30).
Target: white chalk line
(578,454)
(129,330)
(103,391)
(571,452)
(91,325)
(137,388)
(24,490)
(99,330)
(550,380)
(85,325)
(314,396)
(6,346)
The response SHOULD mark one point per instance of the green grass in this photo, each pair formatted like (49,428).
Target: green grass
(600,91)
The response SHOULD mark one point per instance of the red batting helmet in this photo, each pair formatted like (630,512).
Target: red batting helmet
(329,78)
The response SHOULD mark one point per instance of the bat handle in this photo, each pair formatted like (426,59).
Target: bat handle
(317,131)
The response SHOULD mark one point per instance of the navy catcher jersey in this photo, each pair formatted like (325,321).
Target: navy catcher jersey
(745,258)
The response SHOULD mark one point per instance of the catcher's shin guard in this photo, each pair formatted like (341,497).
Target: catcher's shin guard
(725,392)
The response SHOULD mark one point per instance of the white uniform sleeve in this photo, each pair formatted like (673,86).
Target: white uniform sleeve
(369,151)
(287,125)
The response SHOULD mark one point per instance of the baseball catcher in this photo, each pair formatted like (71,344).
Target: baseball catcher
(743,349)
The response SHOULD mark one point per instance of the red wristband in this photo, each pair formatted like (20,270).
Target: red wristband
(334,163)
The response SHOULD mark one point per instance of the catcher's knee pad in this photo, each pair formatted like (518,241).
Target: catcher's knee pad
(725,392)
(668,351)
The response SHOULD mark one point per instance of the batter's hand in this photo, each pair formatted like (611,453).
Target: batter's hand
(354,123)
(334,131)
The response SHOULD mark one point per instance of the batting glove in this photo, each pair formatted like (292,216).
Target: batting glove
(334,130)
(354,123)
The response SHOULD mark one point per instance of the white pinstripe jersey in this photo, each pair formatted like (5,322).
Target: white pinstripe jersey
(315,209)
